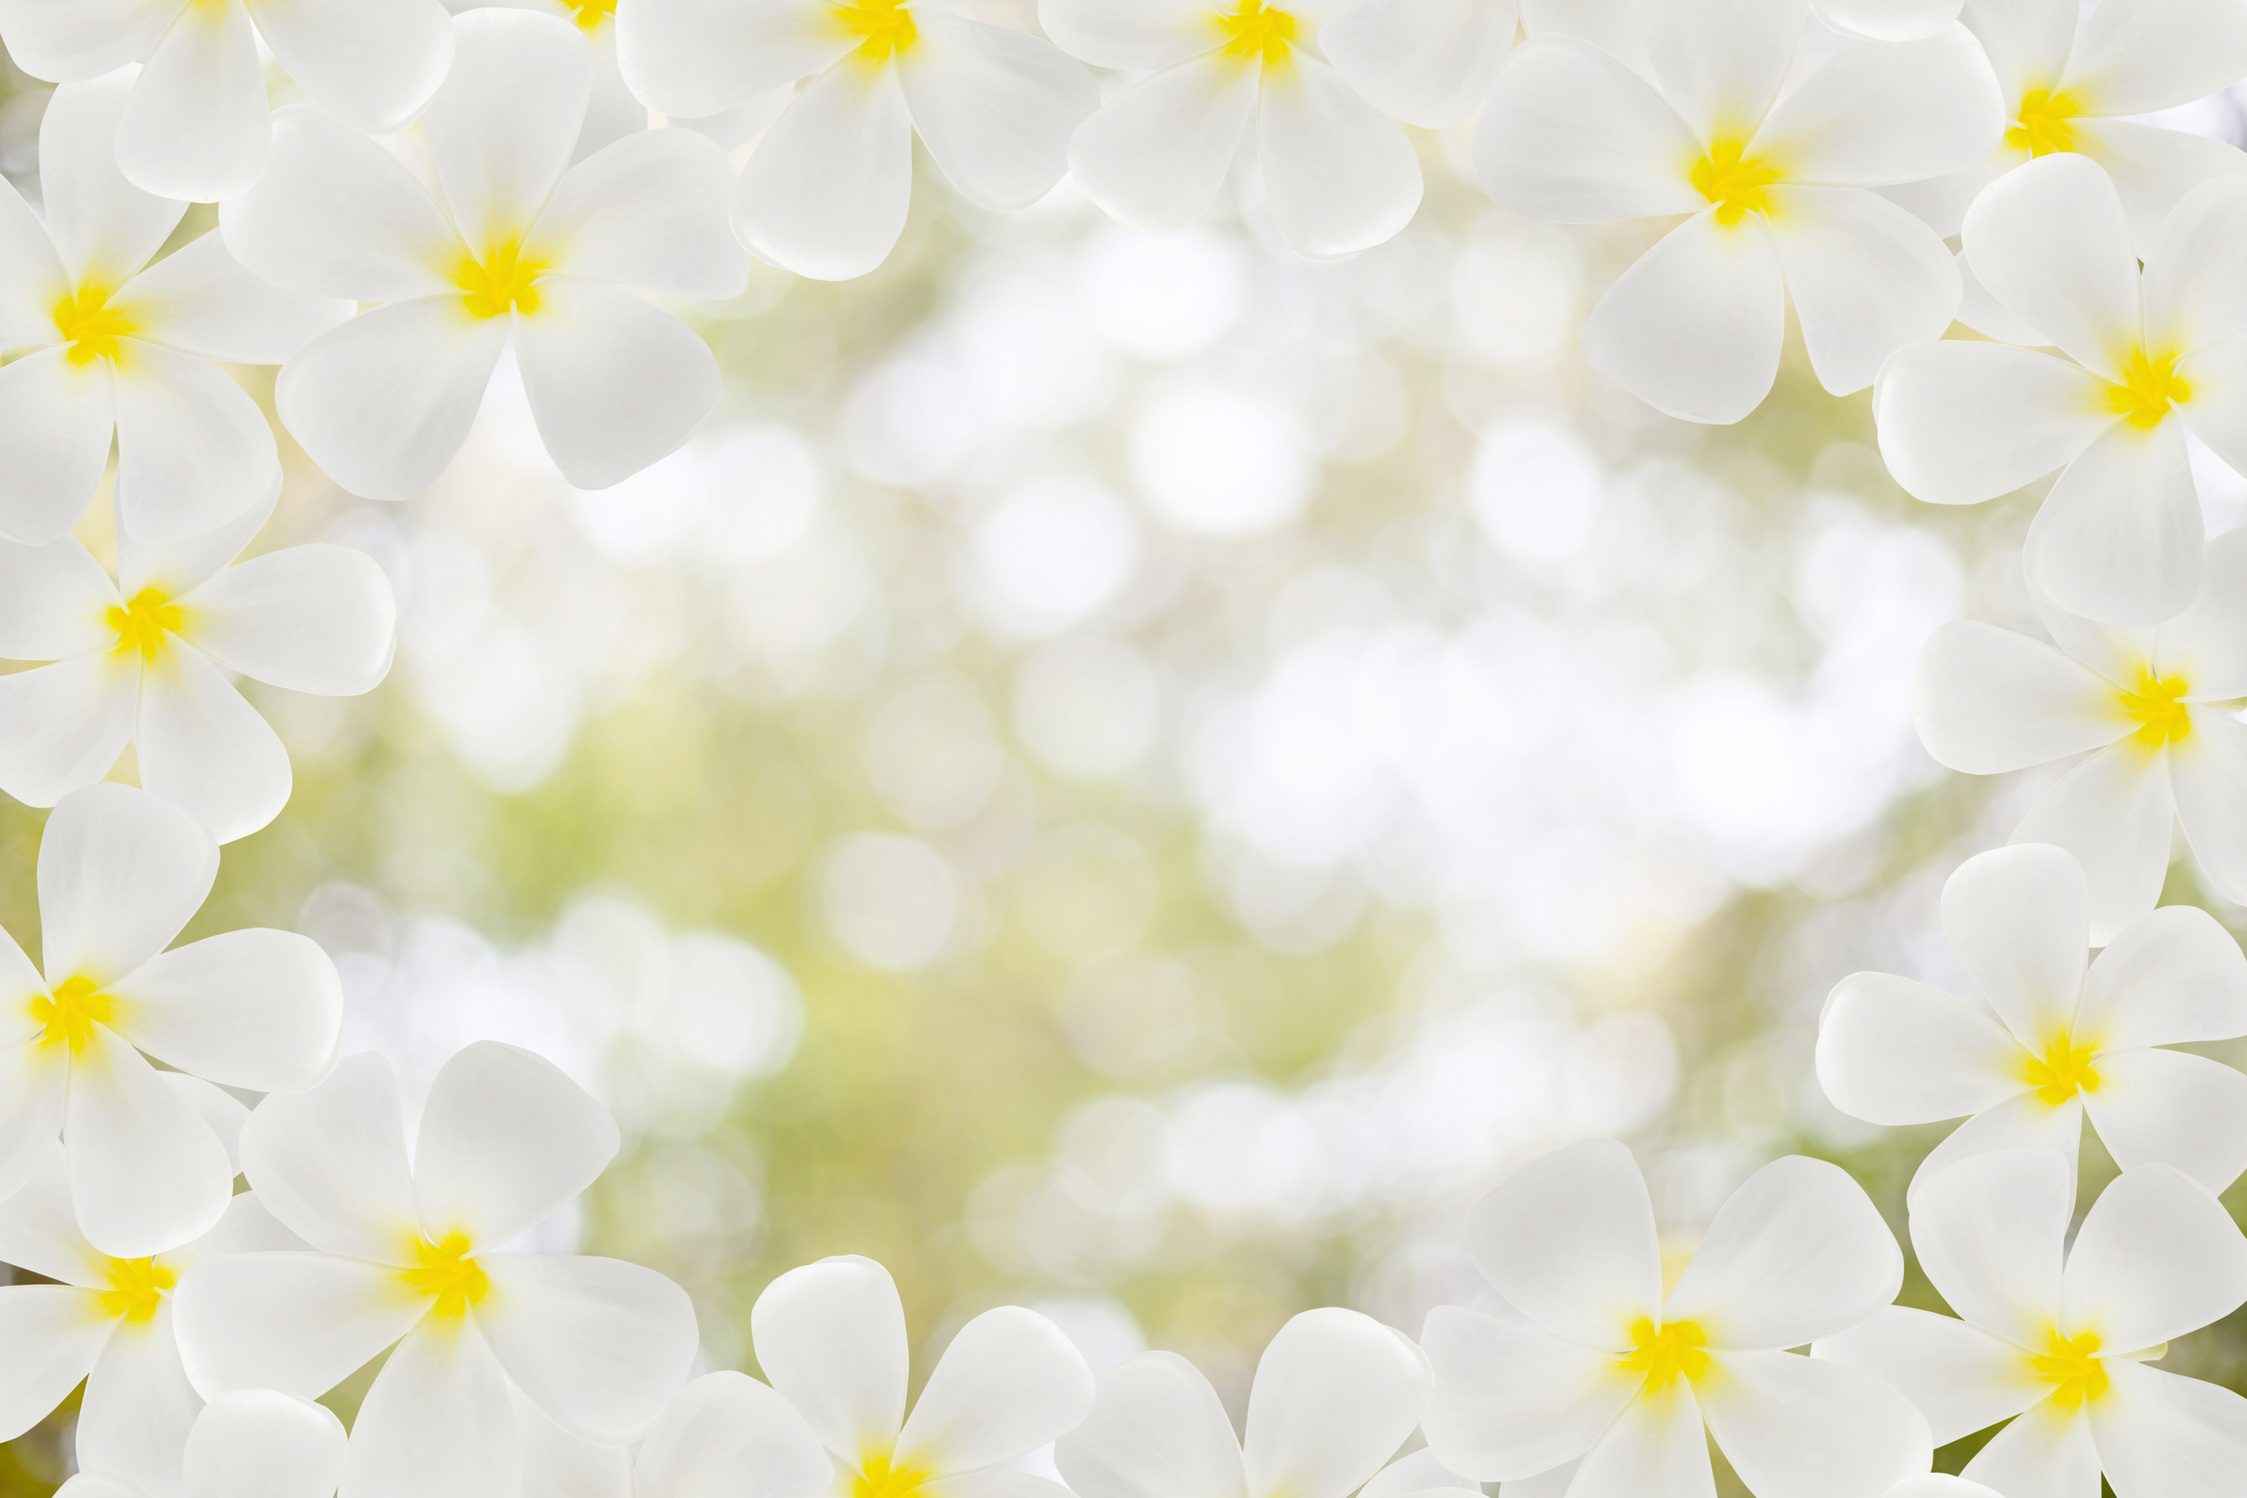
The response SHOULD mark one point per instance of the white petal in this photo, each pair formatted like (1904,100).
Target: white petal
(253,1009)
(2159,1433)
(81,39)
(1721,61)
(601,1345)
(335,215)
(1866,278)
(197,126)
(2115,813)
(557,1464)
(1335,1395)
(2047,1452)
(649,211)
(1988,316)
(2209,772)
(206,750)
(67,723)
(317,618)
(193,450)
(1610,25)
(383,402)
(177,568)
(54,442)
(32,1089)
(995,107)
(694,58)
(1694,328)
(2191,302)
(506,1140)
(330,1162)
(120,872)
(1891,1051)
(224,1116)
(202,300)
(1342,177)
(831,1338)
(437,1423)
(1415,1472)
(1655,1446)
(1155,156)
(2157,1257)
(373,62)
(297,1322)
(259,1443)
(850,126)
(247,1228)
(502,127)
(2050,242)
(2019,919)
(2157,54)
(1987,700)
(995,1482)
(1428,64)
(1553,1484)
(2119,538)
(1156,1430)
(54,601)
(146,1173)
(1796,1427)
(1573,136)
(104,228)
(1878,112)
(2172,976)
(729,1436)
(1008,1383)
(1965,422)
(2168,1107)
(2025,1122)
(614,383)
(1887,20)
(1962,1378)
(2207,643)
(32,279)
(54,1334)
(2217,412)
(2154,168)
(1138,36)
(1988,1232)
(1569,1241)
(39,1228)
(1509,1402)
(139,1406)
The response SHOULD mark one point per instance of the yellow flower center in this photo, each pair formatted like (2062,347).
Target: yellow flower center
(142,624)
(2072,1366)
(1256,31)
(68,1015)
(1665,1354)
(2067,1067)
(2046,123)
(876,1479)
(506,282)
(2158,708)
(445,1273)
(1734,181)
(885,26)
(591,13)
(136,1288)
(90,326)
(2150,386)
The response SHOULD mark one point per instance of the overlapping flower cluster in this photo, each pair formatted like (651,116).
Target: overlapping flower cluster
(455,186)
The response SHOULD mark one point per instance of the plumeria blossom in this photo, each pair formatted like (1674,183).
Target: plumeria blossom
(143,661)
(1340,175)
(257,1443)
(112,345)
(831,1337)
(1887,20)
(1777,185)
(2150,357)
(1335,1394)
(2067,77)
(724,1433)
(196,125)
(106,1321)
(1609,1369)
(2052,1037)
(612,112)
(2056,1337)
(2146,707)
(406,1256)
(120,872)
(524,249)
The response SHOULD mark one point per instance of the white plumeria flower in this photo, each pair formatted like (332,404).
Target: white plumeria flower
(113,349)
(831,1337)
(197,126)
(408,1252)
(2052,1038)
(826,190)
(2066,77)
(612,112)
(1777,186)
(108,1322)
(1340,175)
(2060,1339)
(144,662)
(2145,702)
(725,1433)
(1335,1394)
(120,872)
(2154,355)
(524,248)
(1887,20)
(257,1443)
(1609,1369)
(1426,62)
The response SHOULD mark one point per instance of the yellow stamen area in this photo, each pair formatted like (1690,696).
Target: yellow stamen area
(505,283)
(877,1479)
(1258,31)
(2150,386)
(92,329)
(2071,1365)
(142,623)
(446,1273)
(2158,708)
(591,13)
(2067,1067)
(2046,123)
(136,1288)
(1734,181)
(1665,1354)
(68,1015)
(886,27)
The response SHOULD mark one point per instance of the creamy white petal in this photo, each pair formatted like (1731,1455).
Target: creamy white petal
(197,126)
(995,107)
(601,1345)
(330,1162)
(246,1228)
(438,1422)
(54,442)
(255,1009)
(54,601)
(2050,242)
(1335,1394)
(695,58)
(1553,1484)
(1962,1378)
(1341,175)
(373,62)
(1008,1383)
(2175,975)
(1886,20)
(1156,1430)
(202,300)
(1866,277)
(557,1464)
(67,723)
(2115,813)
(2207,643)
(831,1337)
(2045,1453)
(2136,59)
(2217,412)
(139,1406)
(2209,773)
(104,228)
(995,1482)
(2171,1108)
(32,1089)
(1964,422)
(849,126)
(203,748)
(223,1114)
(32,279)
(193,450)
(1573,136)
(1509,1402)
(1415,1472)
(68,40)
(319,618)
(146,1173)
(1655,1446)
(1878,112)
(39,1228)
(647,211)
(1139,36)
(297,1322)
(1986,315)
(2025,1122)
(54,1335)
(1430,63)
(2157,1257)
(1569,1241)
(729,1436)
(1721,62)
(1988,1231)
(2158,1433)
(1796,1427)
(2019,920)
(501,128)
(1891,1051)
(260,1443)
(179,567)
(2191,301)
(614,383)
(1154,156)
(2119,539)
(506,1140)
(120,872)
(1694,328)
(2154,168)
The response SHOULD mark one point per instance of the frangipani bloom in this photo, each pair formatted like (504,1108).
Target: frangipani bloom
(826,190)
(525,248)
(407,1252)
(1340,175)
(2066,77)
(115,349)
(107,1321)
(1335,1395)
(120,872)
(1610,1370)
(197,125)
(2053,1038)
(257,1443)
(2119,537)
(2145,701)
(726,1433)
(831,1337)
(1887,20)
(1777,188)
(2061,1339)
(612,112)
(145,663)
